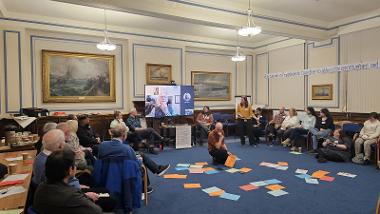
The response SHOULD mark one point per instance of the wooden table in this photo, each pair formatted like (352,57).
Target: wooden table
(18,200)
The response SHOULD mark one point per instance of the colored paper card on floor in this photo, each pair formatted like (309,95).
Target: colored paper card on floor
(181,168)
(208,169)
(259,183)
(319,174)
(195,171)
(302,171)
(175,176)
(303,176)
(211,189)
(248,187)
(346,174)
(230,162)
(327,178)
(311,181)
(201,163)
(264,164)
(192,186)
(232,170)
(217,193)
(283,163)
(245,170)
(237,158)
(296,153)
(210,172)
(230,196)
(277,193)
(275,187)
(183,165)
(282,167)
(196,166)
(272,181)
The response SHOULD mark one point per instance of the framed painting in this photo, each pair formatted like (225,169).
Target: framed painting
(69,77)
(158,74)
(211,85)
(322,92)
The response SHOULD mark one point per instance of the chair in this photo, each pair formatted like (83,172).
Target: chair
(123,178)
(378,154)
(378,206)
(217,117)
(228,122)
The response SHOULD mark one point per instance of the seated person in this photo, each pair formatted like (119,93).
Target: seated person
(275,124)
(291,121)
(307,123)
(47,127)
(324,125)
(259,126)
(73,143)
(368,136)
(56,195)
(204,121)
(216,146)
(134,124)
(72,117)
(117,148)
(133,138)
(87,136)
(335,148)
(54,140)
(118,120)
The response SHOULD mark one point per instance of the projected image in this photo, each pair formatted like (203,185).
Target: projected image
(162,101)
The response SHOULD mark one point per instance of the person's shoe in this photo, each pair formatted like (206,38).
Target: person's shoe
(163,169)
(357,160)
(150,190)
(322,160)
(366,162)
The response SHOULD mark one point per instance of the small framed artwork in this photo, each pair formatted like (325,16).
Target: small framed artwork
(157,74)
(322,92)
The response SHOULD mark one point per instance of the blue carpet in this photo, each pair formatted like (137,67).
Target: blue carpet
(344,195)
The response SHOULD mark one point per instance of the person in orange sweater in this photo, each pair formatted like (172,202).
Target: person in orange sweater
(216,146)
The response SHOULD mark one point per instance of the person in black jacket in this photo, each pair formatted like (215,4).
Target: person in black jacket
(323,127)
(87,136)
(56,196)
(259,125)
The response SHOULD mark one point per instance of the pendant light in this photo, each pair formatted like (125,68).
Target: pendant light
(251,29)
(106,44)
(238,57)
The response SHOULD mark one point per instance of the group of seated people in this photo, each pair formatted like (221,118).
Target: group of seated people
(329,142)
(73,145)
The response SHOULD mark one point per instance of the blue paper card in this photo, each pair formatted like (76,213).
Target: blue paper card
(303,176)
(272,181)
(311,181)
(211,172)
(183,165)
(229,196)
(181,168)
(259,183)
(277,193)
(211,189)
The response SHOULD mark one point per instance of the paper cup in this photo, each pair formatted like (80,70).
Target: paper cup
(12,168)
(25,156)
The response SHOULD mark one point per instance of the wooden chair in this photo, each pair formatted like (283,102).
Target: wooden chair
(378,206)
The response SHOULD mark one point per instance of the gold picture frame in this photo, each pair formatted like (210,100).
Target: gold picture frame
(158,74)
(211,86)
(71,77)
(322,92)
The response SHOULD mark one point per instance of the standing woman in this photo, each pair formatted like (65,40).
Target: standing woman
(323,127)
(244,115)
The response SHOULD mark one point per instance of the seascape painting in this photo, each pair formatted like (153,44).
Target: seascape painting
(211,85)
(158,74)
(77,77)
(322,92)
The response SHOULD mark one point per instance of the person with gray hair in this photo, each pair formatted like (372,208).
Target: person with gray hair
(117,148)
(47,127)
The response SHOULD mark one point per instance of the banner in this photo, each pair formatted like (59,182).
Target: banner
(327,70)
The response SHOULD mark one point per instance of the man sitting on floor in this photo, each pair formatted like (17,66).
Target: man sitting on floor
(216,146)
(134,124)
(56,196)
(116,148)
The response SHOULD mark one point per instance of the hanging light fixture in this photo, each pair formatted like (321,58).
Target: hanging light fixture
(106,44)
(251,29)
(238,57)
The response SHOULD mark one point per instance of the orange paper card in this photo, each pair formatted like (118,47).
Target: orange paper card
(282,163)
(175,176)
(230,162)
(275,187)
(201,163)
(248,187)
(319,174)
(208,169)
(216,194)
(245,170)
(192,186)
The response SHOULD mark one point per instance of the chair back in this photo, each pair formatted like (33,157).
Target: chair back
(378,206)
(122,177)
(217,117)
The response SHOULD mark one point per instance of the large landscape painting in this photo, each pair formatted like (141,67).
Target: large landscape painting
(77,77)
(211,85)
